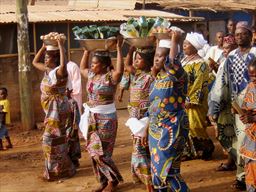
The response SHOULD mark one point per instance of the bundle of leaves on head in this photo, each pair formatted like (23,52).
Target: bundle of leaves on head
(144,27)
(95,32)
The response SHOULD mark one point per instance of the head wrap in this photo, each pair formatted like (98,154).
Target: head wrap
(243,24)
(165,43)
(196,39)
(102,53)
(51,48)
(230,39)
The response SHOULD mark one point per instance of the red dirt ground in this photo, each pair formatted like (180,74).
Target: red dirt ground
(21,167)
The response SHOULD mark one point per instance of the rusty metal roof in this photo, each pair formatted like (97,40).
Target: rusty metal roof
(210,5)
(79,14)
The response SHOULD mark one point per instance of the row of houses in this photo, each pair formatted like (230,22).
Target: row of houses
(44,19)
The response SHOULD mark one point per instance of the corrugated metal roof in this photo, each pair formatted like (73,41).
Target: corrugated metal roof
(79,14)
(216,5)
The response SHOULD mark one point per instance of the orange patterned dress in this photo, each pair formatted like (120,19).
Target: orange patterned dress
(248,148)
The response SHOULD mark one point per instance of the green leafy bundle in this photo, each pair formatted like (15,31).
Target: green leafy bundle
(95,32)
(142,27)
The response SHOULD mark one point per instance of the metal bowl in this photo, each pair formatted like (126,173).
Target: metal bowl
(162,35)
(98,44)
(141,42)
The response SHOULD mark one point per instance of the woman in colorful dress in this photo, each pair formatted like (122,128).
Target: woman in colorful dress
(139,83)
(199,144)
(99,121)
(57,110)
(248,147)
(221,116)
(168,122)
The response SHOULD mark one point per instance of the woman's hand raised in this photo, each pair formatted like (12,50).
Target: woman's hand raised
(120,40)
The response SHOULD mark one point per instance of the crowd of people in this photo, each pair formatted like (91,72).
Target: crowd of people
(174,95)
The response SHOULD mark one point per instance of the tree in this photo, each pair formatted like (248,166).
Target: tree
(24,66)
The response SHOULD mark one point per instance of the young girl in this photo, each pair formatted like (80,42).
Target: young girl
(139,83)
(248,148)
(4,118)
(72,131)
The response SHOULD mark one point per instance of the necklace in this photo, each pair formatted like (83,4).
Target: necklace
(189,58)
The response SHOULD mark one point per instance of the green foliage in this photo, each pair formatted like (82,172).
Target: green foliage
(95,32)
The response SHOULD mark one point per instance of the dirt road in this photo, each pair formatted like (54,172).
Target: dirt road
(21,167)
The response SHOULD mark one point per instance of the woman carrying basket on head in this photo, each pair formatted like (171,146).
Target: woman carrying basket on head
(99,121)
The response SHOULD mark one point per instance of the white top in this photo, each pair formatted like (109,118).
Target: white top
(74,82)
(214,52)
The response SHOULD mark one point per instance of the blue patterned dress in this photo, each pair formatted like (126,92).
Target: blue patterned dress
(168,128)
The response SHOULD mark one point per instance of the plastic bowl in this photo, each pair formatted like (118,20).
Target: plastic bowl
(141,42)
(98,44)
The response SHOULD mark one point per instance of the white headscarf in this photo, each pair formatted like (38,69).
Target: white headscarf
(165,43)
(51,48)
(196,39)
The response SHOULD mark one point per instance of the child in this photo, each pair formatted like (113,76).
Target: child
(72,131)
(4,117)
(139,81)
(248,148)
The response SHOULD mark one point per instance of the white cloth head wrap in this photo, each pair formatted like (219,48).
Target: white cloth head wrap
(51,48)
(196,39)
(165,43)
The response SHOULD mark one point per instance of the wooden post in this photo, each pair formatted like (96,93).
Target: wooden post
(143,4)
(24,66)
(68,41)
(32,2)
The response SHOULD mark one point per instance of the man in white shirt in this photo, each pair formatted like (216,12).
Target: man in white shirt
(215,52)
(75,83)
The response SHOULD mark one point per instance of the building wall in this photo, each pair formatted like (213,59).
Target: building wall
(9,78)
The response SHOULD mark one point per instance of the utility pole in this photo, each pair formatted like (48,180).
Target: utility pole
(24,66)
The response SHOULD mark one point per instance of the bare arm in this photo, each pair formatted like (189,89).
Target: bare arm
(36,61)
(175,41)
(129,57)
(62,71)
(118,72)
(84,64)
(121,93)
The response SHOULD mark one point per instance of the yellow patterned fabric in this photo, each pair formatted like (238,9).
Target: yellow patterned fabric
(57,113)
(198,75)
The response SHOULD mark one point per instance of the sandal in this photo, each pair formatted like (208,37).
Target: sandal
(225,167)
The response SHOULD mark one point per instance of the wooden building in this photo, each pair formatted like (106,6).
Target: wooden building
(47,18)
